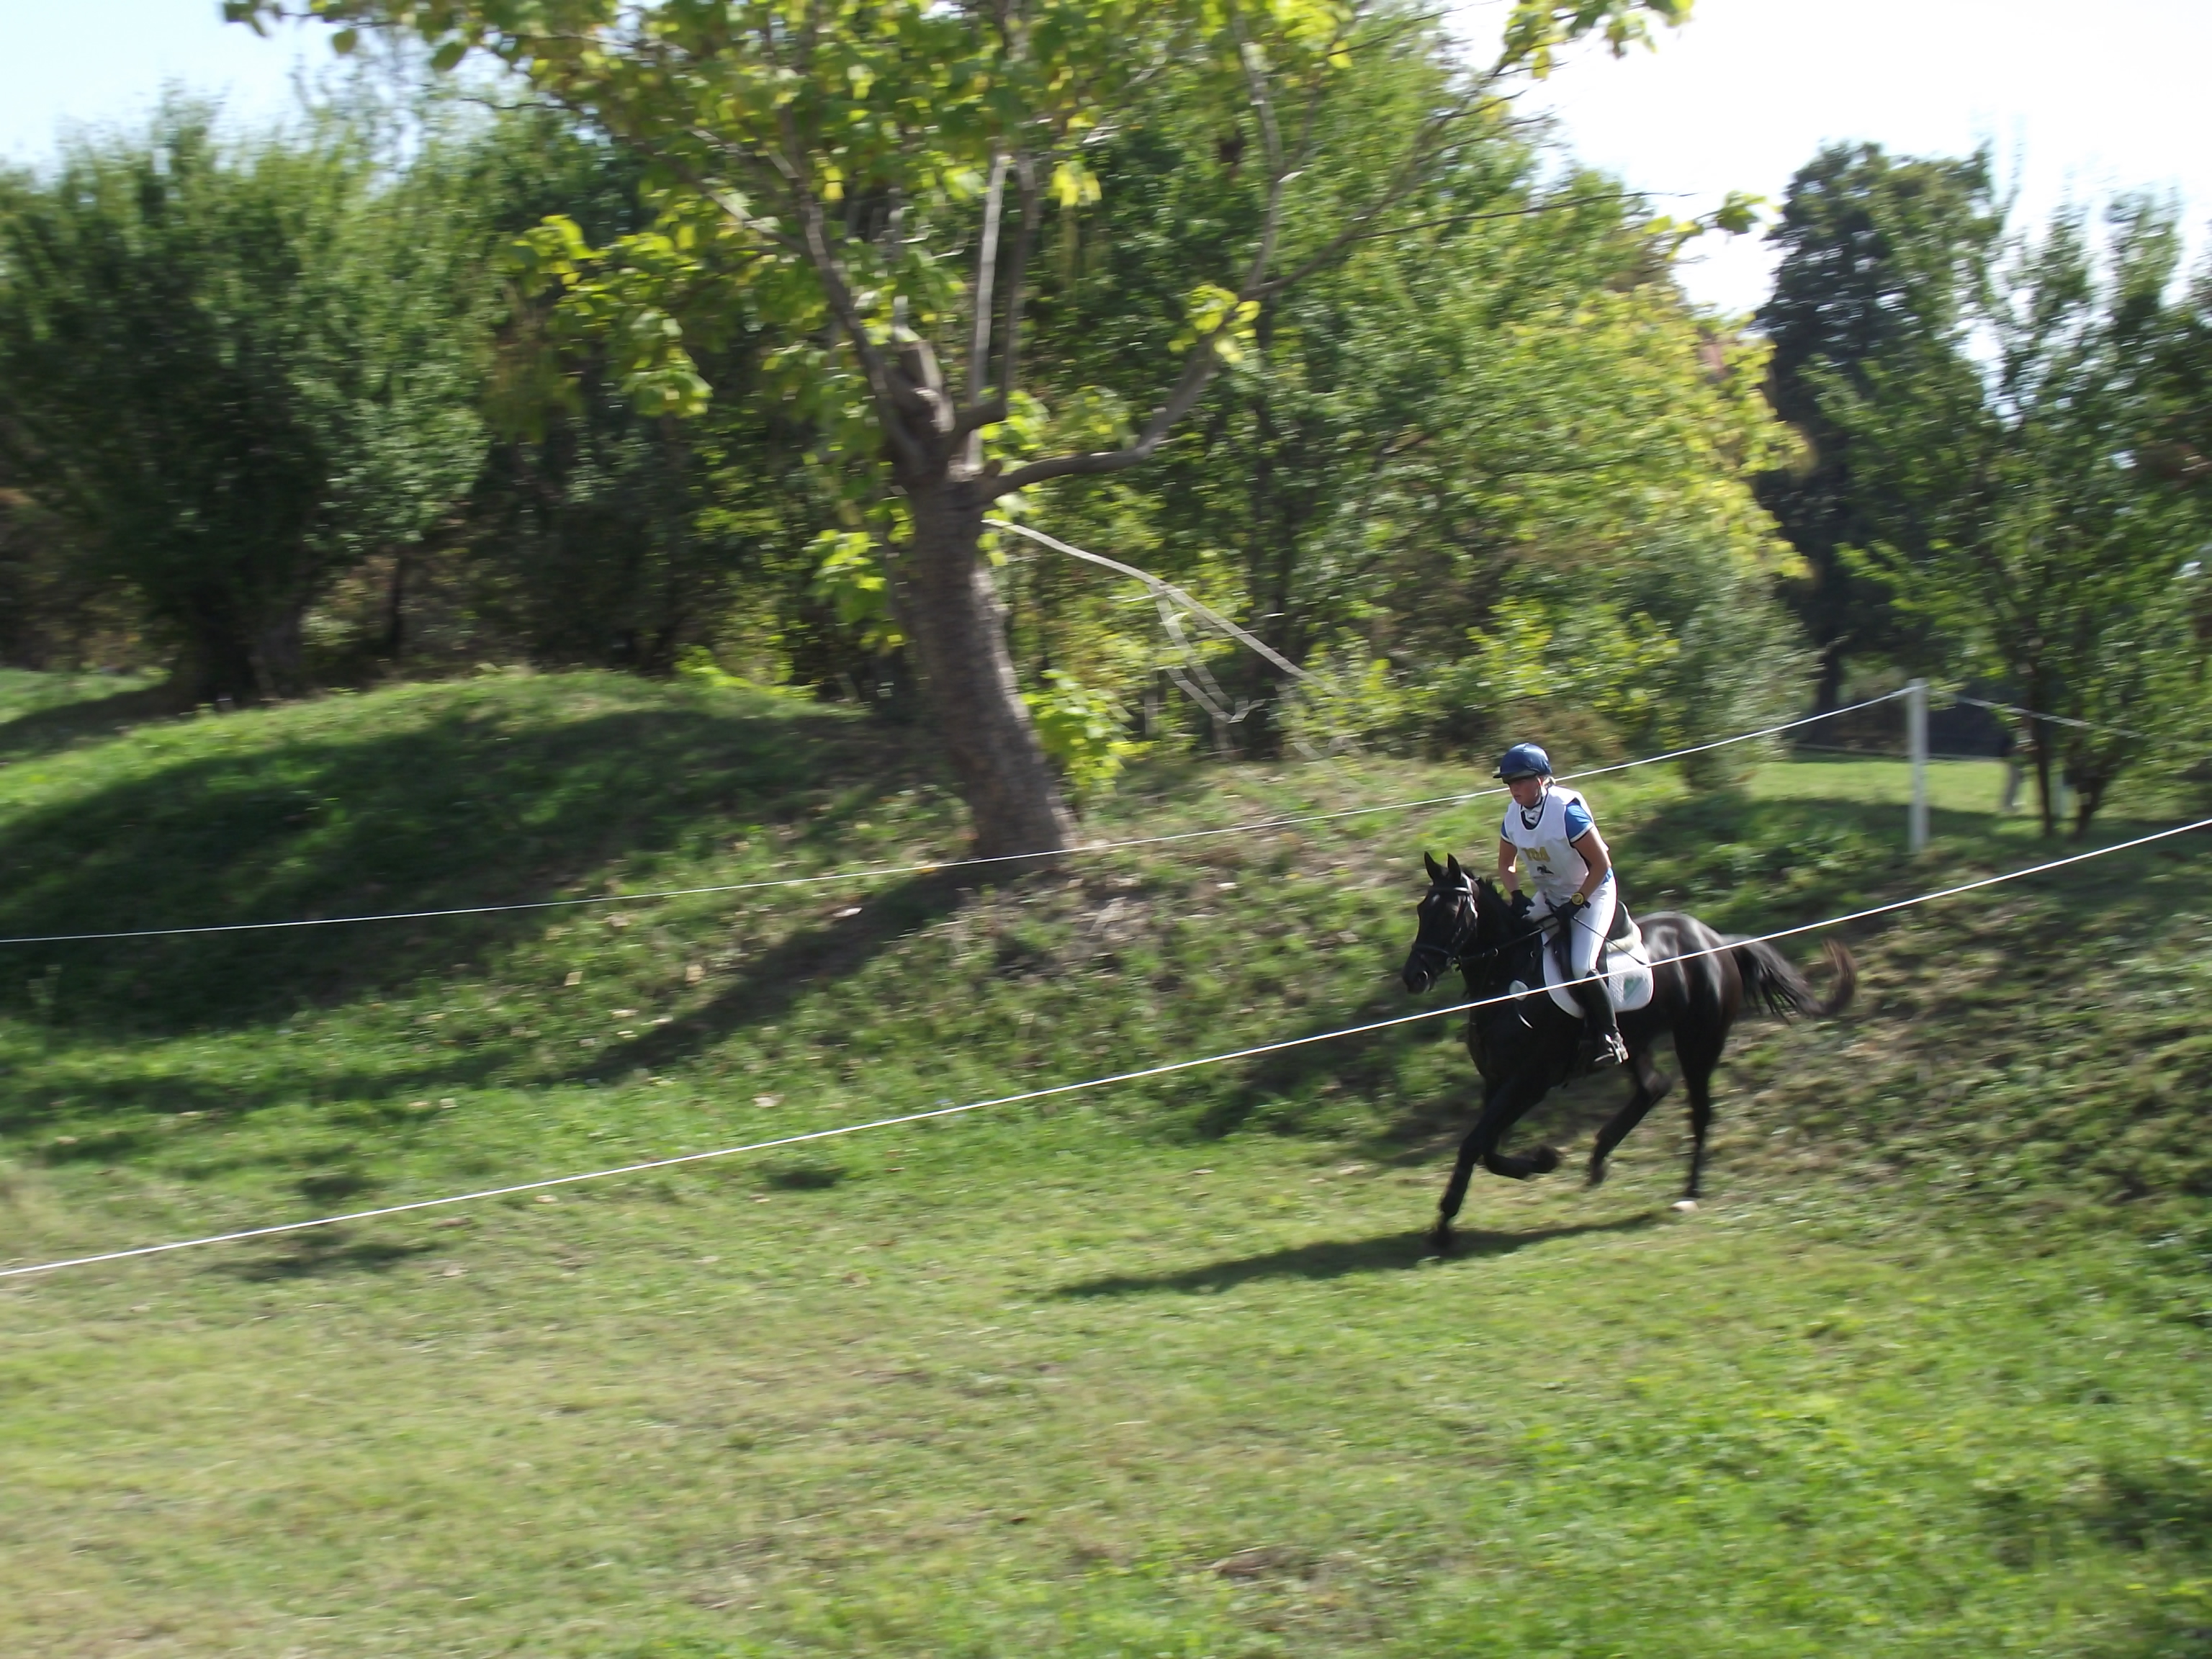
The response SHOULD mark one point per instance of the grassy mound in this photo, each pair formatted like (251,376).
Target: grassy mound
(1155,1369)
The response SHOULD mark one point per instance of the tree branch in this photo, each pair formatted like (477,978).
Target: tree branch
(987,271)
(895,395)
(1204,359)
(1010,328)
(1409,174)
(1197,370)
(1278,175)
(721,198)
(976,416)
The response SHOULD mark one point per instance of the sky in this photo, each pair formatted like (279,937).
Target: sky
(2077,99)
(100,62)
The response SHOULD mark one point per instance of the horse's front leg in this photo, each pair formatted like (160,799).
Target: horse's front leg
(1507,1103)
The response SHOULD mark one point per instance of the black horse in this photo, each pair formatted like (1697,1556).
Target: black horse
(1527,1046)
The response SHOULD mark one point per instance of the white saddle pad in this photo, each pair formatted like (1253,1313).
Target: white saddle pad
(1627,974)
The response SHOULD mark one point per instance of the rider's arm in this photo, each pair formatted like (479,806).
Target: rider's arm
(1592,847)
(1508,876)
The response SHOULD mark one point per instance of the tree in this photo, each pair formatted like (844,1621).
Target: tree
(854,158)
(231,371)
(55,611)
(1495,419)
(2001,468)
(2179,450)
(1874,250)
(599,532)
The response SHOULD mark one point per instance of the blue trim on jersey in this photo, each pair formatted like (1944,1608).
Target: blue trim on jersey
(1579,821)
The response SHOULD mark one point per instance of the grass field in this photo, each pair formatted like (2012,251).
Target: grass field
(1159,1369)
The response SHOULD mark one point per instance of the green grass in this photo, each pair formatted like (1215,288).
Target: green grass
(39,713)
(1157,1369)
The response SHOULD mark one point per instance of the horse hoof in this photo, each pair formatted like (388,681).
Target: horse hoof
(1440,1239)
(1685,1205)
(1596,1174)
(1544,1160)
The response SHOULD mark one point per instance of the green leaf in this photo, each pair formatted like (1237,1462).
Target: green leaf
(1739,214)
(1073,185)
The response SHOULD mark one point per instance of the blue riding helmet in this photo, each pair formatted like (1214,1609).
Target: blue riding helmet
(1523,760)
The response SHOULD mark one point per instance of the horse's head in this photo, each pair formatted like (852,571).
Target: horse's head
(1465,922)
(1445,925)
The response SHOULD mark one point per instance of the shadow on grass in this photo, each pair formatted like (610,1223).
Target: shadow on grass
(483,802)
(772,982)
(2161,1507)
(161,1097)
(328,1187)
(322,1253)
(44,730)
(1340,1258)
(803,1177)
(836,948)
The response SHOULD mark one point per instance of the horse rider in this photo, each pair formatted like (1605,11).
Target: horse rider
(1550,827)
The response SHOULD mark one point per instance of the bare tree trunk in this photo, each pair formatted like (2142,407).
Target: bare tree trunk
(1828,687)
(2088,798)
(950,609)
(2046,806)
(278,661)
(395,609)
(216,659)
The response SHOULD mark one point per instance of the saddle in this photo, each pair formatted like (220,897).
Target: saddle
(1624,960)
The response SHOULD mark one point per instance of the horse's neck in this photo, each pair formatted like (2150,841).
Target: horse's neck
(1496,928)
(1488,985)
(1497,970)
(1513,958)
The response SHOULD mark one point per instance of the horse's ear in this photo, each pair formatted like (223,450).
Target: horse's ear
(1435,874)
(1452,869)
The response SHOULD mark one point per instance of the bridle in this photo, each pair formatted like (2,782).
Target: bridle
(1452,952)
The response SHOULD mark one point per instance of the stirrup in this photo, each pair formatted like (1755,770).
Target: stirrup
(1598,1052)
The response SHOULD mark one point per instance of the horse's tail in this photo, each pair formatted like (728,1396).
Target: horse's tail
(1771,983)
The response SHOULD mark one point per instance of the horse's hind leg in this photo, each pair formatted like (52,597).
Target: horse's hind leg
(1698,1077)
(1651,1086)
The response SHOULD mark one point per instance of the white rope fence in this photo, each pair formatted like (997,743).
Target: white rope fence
(1138,1075)
(2052,720)
(932,868)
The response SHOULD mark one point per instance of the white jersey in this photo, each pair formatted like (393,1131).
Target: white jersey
(1546,838)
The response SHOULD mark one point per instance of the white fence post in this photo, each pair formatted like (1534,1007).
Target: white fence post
(1916,727)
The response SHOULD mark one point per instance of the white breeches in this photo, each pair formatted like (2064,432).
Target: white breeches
(1590,927)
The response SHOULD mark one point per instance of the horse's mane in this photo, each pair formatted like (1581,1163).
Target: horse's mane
(1498,926)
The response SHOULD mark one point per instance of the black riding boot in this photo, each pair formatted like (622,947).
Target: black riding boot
(1602,1043)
